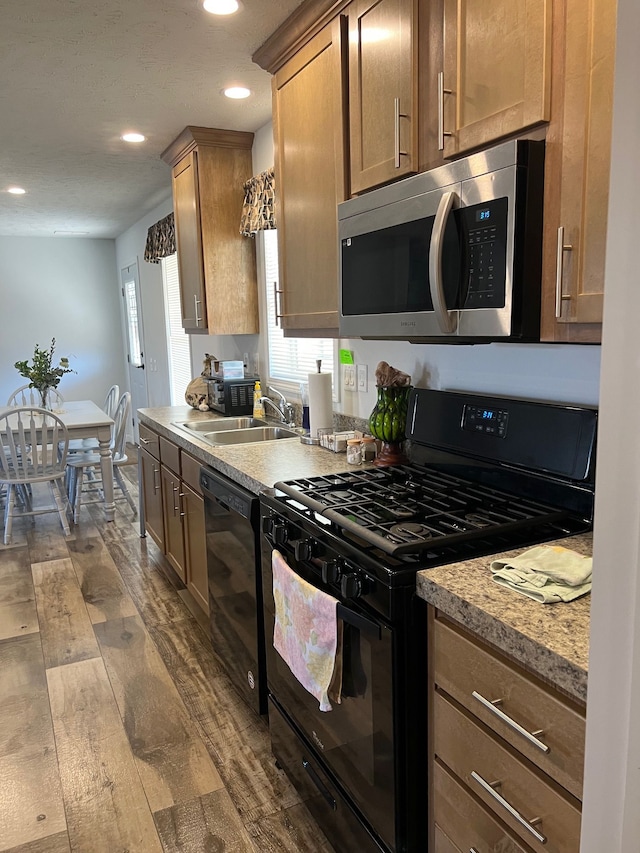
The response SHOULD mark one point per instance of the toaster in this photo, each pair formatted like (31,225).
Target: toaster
(231,397)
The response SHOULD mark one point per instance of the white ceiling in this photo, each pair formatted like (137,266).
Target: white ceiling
(76,74)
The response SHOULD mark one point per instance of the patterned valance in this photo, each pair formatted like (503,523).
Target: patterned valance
(161,240)
(258,212)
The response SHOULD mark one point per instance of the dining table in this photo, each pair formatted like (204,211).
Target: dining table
(85,419)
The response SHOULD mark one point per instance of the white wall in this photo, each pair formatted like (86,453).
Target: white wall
(129,248)
(62,287)
(611,818)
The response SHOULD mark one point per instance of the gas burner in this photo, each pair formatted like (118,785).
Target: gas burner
(479,520)
(400,511)
(411,529)
(340,495)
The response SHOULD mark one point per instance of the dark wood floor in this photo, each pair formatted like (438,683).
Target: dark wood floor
(119,732)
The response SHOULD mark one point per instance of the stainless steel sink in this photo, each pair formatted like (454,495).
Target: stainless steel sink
(216,424)
(245,436)
(223,431)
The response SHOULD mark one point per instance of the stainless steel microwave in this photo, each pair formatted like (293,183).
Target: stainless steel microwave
(449,255)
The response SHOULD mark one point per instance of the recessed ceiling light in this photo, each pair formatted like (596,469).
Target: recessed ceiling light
(16,190)
(133,137)
(236,92)
(221,7)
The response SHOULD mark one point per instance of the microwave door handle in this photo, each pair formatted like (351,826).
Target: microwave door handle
(447,320)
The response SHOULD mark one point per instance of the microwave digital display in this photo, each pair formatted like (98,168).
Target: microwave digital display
(483,215)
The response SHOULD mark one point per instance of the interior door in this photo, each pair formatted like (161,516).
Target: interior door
(135,342)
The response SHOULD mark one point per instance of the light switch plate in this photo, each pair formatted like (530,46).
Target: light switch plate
(349,377)
(362,378)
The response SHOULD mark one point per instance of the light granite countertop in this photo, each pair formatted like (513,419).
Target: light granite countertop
(254,466)
(550,640)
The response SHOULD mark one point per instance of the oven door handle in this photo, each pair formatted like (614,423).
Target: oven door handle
(362,623)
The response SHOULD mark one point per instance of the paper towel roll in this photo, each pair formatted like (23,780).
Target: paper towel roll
(320,403)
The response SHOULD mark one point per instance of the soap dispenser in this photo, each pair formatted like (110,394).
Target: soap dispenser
(258,407)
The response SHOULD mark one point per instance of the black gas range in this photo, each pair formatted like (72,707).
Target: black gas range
(487,474)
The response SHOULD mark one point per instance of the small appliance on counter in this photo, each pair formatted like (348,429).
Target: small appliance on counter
(231,397)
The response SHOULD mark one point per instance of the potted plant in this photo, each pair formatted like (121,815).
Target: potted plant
(41,373)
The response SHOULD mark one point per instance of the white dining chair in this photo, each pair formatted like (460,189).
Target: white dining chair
(84,482)
(26,396)
(84,445)
(33,449)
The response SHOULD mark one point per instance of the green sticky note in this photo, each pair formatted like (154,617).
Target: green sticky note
(346,356)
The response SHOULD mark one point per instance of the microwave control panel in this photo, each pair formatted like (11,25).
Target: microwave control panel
(484,232)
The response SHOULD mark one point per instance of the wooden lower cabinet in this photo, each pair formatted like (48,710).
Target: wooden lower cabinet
(463,822)
(152,496)
(195,537)
(506,751)
(174,549)
(174,510)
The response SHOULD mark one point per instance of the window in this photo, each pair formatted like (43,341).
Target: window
(178,342)
(290,359)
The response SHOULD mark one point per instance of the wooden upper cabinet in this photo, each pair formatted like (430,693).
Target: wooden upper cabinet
(577,169)
(186,210)
(309,139)
(496,80)
(383,84)
(216,263)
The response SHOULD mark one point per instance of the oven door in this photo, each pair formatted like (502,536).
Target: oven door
(354,742)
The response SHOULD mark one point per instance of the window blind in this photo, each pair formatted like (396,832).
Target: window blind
(178,342)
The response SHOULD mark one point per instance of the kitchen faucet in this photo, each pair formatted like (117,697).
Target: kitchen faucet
(283,408)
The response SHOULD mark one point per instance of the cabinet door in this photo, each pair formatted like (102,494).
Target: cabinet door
(497,62)
(308,104)
(577,172)
(152,497)
(383,126)
(196,546)
(189,244)
(173,528)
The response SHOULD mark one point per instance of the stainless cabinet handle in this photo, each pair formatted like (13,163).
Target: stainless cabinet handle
(197,302)
(397,115)
(182,512)
(174,489)
(156,486)
(276,291)
(472,850)
(527,824)
(447,320)
(145,440)
(560,250)
(491,706)
(441,93)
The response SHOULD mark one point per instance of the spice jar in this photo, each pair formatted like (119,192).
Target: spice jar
(368,448)
(354,455)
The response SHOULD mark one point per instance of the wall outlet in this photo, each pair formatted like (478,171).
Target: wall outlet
(362,378)
(349,377)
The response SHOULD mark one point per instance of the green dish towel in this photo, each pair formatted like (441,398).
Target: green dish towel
(546,573)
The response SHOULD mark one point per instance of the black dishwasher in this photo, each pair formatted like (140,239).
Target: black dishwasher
(232,516)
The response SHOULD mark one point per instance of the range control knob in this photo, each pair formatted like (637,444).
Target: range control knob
(350,585)
(304,549)
(330,571)
(276,529)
